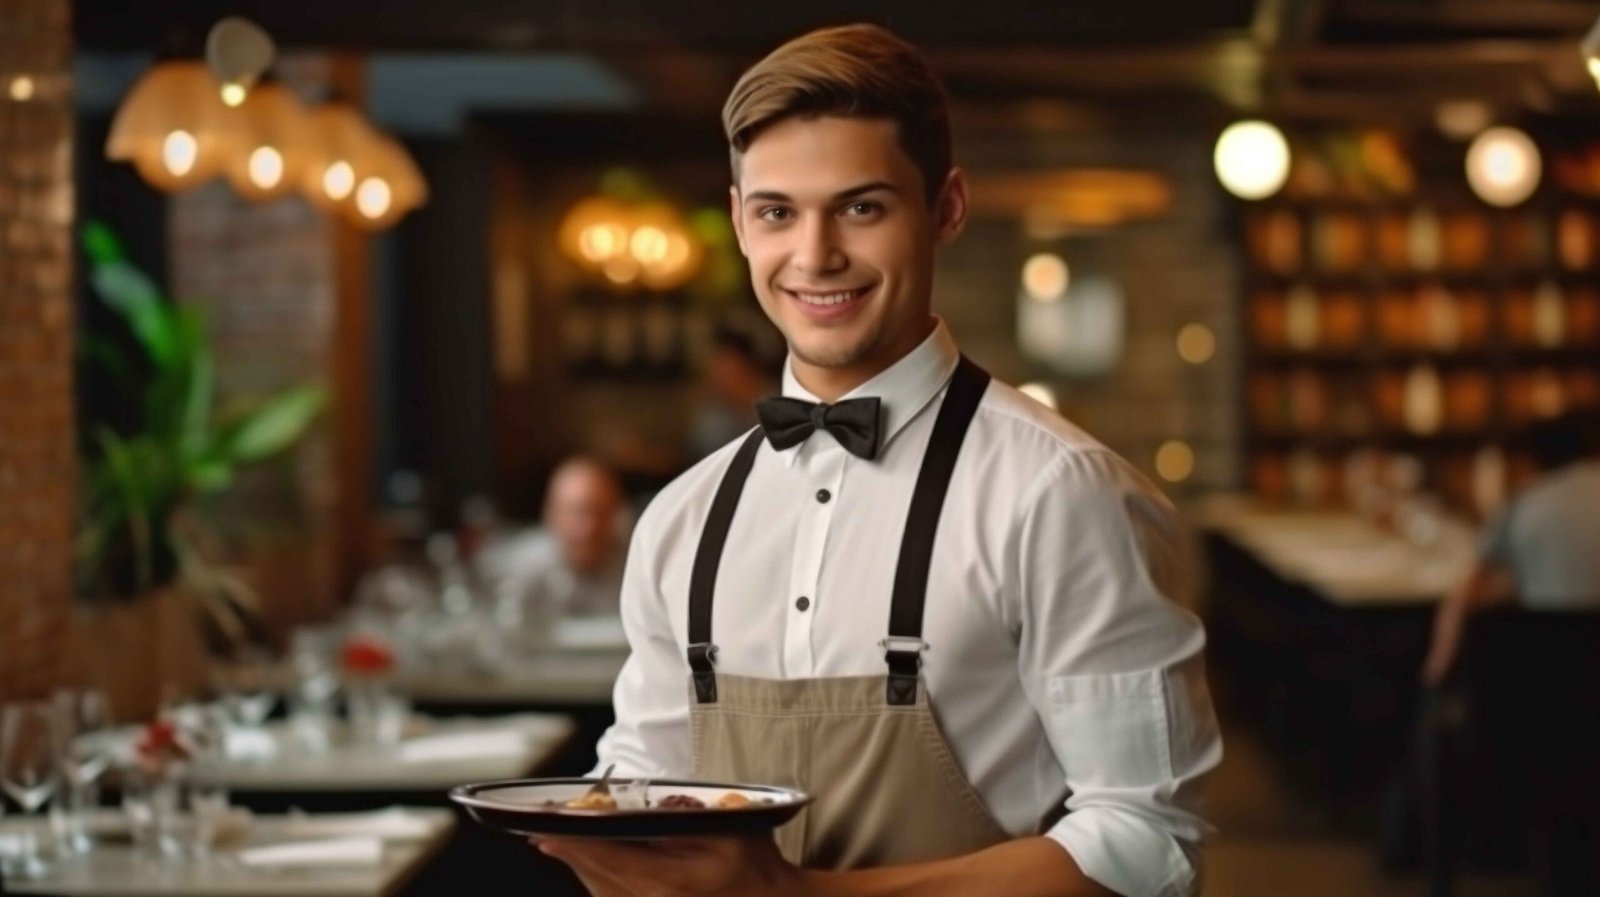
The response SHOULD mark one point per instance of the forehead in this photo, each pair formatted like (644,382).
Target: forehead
(817,157)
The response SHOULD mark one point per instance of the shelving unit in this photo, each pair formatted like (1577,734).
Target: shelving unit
(1431,326)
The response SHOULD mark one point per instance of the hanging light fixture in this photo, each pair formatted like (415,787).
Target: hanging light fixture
(172,126)
(340,143)
(267,155)
(646,243)
(662,245)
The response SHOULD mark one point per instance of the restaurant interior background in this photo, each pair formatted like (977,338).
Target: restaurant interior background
(1329,362)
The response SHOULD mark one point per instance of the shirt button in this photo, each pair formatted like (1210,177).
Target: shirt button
(823,495)
(802,603)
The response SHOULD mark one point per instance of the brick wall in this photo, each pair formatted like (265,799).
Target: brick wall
(36,433)
(266,275)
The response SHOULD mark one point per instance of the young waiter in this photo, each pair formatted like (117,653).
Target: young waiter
(912,592)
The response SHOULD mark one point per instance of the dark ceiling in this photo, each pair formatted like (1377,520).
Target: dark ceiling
(633,24)
(1311,59)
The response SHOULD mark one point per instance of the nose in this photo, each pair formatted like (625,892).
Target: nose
(818,251)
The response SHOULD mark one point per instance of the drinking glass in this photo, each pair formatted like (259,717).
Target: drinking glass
(204,803)
(83,727)
(150,802)
(313,691)
(28,766)
(245,682)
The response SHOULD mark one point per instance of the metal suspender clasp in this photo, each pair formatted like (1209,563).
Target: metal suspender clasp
(702,658)
(904,655)
(702,654)
(905,644)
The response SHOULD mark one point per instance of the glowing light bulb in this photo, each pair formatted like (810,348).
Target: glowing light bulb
(179,152)
(600,242)
(1196,343)
(338,180)
(1175,461)
(373,197)
(649,244)
(1045,277)
(233,94)
(266,167)
(1503,166)
(22,88)
(1252,159)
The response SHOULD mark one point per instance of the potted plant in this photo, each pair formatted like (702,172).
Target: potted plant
(145,534)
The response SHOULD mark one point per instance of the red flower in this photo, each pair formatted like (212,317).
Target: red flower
(160,742)
(367,657)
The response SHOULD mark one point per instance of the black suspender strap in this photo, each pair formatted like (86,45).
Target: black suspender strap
(703,577)
(903,648)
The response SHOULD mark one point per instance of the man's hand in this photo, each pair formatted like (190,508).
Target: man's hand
(679,867)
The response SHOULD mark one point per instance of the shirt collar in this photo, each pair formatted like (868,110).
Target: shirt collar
(904,388)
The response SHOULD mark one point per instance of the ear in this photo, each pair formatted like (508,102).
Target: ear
(738,219)
(950,210)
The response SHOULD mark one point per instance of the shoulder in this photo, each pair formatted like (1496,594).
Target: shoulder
(1051,456)
(684,502)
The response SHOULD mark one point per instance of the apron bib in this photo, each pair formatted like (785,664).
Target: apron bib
(886,787)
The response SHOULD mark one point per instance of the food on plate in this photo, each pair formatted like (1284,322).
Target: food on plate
(680,802)
(729,800)
(593,801)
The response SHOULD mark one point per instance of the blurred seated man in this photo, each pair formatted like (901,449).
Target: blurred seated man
(1543,550)
(572,565)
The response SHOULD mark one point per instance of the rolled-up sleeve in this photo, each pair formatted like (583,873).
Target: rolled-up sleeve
(1115,668)
(651,735)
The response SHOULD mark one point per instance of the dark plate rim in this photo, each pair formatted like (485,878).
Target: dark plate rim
(466,796)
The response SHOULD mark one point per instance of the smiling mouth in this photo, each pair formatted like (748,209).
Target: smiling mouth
(824,300)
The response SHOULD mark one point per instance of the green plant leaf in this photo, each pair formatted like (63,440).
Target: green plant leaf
(128,292)
(100,244)
(274,425)
(132,486)
(209,474)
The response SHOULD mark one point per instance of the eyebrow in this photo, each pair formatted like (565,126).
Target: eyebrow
(853,192)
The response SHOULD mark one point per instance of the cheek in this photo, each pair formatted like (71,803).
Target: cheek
(888,251)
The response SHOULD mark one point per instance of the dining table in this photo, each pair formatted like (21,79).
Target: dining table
(367,854)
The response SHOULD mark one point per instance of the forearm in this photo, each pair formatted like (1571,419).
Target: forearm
(1027,867)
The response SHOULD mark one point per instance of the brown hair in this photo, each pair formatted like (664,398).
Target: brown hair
(851,71)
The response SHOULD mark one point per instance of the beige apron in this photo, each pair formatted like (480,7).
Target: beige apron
(886,787)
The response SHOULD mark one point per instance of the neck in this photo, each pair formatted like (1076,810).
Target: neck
(830,384)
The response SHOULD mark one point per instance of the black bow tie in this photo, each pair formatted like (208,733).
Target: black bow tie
(854,422)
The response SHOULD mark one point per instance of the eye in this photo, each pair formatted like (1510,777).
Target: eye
(774,213)
(863,209)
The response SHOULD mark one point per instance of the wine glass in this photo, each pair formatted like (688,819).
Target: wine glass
(245,684)
(28,765)
(83,722)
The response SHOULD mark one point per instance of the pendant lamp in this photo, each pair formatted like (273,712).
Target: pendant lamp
(172,126)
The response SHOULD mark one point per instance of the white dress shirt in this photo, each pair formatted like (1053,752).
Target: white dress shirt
(1057,661)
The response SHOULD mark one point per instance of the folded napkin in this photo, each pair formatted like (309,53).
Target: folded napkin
(463,745)
(249,744)
(393,823)
(353,851)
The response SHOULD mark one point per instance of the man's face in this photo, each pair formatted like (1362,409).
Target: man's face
(583,511)
(832,216)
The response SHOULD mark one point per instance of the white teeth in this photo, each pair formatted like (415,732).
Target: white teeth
(828,299)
